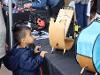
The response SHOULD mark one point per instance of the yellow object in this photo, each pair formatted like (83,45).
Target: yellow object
(76,27)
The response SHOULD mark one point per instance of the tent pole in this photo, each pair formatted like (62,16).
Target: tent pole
(10,24)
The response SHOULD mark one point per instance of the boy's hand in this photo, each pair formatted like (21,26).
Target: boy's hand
(37,49)
(42,54)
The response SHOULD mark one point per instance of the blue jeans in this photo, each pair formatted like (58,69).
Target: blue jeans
(81,17)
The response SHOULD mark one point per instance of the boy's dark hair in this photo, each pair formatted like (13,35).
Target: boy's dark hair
(19,32)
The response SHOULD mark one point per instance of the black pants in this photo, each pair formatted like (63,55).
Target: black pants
(1,59)
(54,10)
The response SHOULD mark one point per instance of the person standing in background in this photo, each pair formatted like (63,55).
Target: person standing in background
(88,11)
(98,9)
(53,5)
(6,6)
(81,11)
(2,35)
(93,9)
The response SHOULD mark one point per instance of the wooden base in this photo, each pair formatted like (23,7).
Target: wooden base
(86,63)
(85,68)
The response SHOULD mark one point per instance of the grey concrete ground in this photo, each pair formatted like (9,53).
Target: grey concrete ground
(4,71)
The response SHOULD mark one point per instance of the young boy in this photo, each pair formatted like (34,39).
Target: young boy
(28,63)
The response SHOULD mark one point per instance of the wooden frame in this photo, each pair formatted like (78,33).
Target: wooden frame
(59,29)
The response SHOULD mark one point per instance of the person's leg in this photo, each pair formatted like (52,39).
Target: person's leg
(85,18)
(79,14)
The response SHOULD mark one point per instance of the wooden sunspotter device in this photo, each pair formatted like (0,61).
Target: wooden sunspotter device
(59,29)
